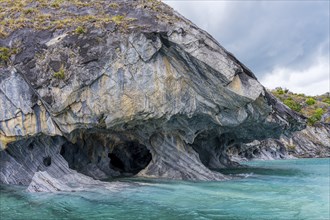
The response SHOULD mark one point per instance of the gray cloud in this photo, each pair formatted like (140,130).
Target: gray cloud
(265,35)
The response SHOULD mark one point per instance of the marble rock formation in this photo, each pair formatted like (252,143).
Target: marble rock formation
(311,142)
(158,97)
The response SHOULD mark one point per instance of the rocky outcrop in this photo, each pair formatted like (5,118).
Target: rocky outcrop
(38,163)
(156,99)
(311,142)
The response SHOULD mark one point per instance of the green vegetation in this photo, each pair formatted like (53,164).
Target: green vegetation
(317,115)
(280,91)
(56,3)
(113,5)
(5,54)
(326,100)
(152,4)
(118,19)
(80,30)
(29,11)
(292,104)
(60,74)
(57,14)
(310,101)
(311,107)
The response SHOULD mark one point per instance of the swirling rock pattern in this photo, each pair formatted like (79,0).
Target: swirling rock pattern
(161,98)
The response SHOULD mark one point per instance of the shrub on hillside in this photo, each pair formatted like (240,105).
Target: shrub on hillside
(310,101)
(317,115)
(326,100)
(280,91)
(292,104)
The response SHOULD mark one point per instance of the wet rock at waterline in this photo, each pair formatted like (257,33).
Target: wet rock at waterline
(311,142)
(156,97)
(39,163)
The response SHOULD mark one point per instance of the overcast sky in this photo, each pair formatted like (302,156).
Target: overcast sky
(285,43)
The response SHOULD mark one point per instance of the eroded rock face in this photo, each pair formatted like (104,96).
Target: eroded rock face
(161,100)
(311,142)
(38,163)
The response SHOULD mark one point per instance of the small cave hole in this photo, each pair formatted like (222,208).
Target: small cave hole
(248,155)
(256,152)
(30,146)
(47,161)
(62,151)
(231,142)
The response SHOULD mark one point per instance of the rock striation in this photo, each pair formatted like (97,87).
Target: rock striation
(152,97)
(311,142)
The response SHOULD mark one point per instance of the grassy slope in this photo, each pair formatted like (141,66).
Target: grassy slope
(60,14)
(315,108)
(74,16)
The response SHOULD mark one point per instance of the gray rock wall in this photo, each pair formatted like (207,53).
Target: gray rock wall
(311,142)
(168,89)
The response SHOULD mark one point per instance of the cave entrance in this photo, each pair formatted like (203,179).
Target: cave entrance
(115,162)
(212,149)
(129,158)
(106,155)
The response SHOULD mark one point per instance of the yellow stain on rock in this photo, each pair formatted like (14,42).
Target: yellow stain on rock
(156,98)
(236,85)
(128,106)
(25,125)
(4,140)
(170,81)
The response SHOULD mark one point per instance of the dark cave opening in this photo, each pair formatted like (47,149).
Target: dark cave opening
(256,152)
(30,146)
(101,156)
(62,152)
(213,149)
(115,162)
(129,157)
(100,153)
(47,161)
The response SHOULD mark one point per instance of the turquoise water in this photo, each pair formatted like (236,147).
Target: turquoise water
(285,189)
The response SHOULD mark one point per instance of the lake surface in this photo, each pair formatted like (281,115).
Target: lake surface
(284,189)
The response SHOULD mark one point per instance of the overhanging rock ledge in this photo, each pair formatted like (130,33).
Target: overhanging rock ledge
(156,98)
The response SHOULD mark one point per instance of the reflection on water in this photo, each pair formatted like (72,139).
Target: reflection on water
(287,189)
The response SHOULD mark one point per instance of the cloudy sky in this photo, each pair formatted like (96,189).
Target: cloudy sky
(285,43)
